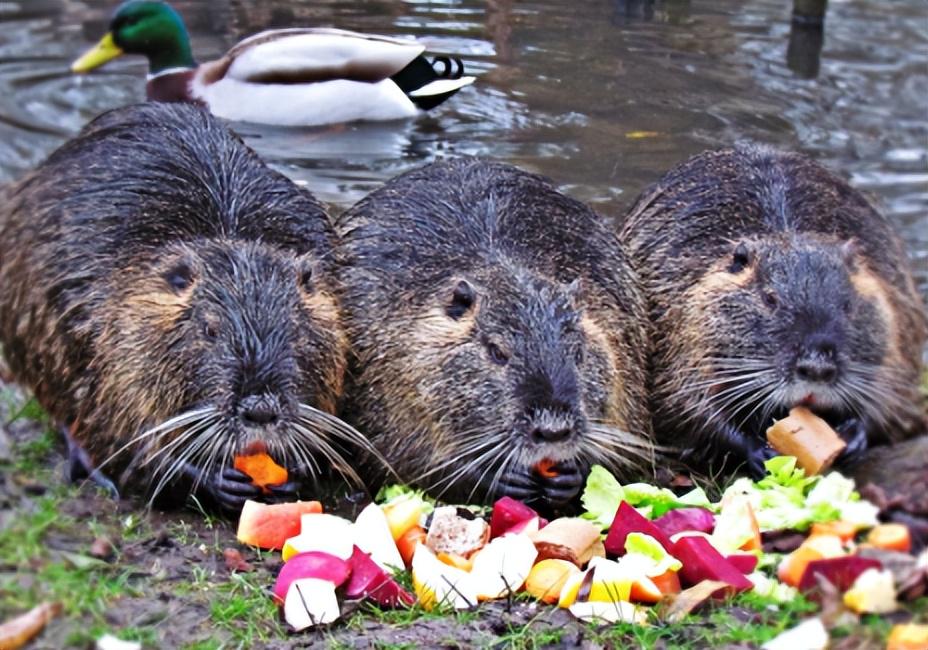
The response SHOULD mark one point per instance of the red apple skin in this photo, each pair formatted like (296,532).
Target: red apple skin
(312,564)
(702,562)
(508,512)
(269,525)
(839,571)
(681,519)
(627,520)
(744,562)
(368,580)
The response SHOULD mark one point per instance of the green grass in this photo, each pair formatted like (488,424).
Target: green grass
(242,605)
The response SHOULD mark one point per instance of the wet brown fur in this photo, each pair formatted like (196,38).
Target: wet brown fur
(682,232)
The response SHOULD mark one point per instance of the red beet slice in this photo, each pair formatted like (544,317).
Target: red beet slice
(702,562)
(627,520)
(508,512)
(676,521)
(839,571)
(312,564)
(368,580)
(744,562)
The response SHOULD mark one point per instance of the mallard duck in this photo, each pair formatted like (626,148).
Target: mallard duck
(291,77)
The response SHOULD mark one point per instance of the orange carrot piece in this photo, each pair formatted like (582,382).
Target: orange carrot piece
(545,468)
(846,530)
(891,537)
(262,469)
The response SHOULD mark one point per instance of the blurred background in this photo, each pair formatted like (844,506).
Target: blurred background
(601,95)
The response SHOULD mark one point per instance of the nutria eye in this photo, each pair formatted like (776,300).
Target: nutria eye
(180,277)
(770,299)
(497,355)
(306,280)
(461,300)
(210,330)
(740,259)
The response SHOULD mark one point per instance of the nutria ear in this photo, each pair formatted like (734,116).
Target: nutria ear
(179,276)
(741,258)
(462,299)
(849,251)
(304,277)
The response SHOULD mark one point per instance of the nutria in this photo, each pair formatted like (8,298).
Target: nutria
(169,300)
(772,283)
(495,324)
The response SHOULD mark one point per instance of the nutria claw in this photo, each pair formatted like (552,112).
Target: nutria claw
(561,489)
(80,466)
(229,488)
(517,485)
(854,433)
(758,452)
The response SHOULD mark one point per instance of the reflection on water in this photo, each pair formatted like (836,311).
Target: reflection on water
(602,96)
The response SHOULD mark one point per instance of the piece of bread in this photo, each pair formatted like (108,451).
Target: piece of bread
(567,538)
(807,437)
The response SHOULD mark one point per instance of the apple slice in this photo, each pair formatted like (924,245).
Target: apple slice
(702,562)
(408,542)
(309,602)
(369,580)
(437,584)
(269,526)
(547,578)
(820,547)
(322,532)
(608,612)
(507,513)
(403,514)
(839,571)
(680,519)
(372,534)
(313,564)
(501,567)
(873,592)
(628,520)
(736,527)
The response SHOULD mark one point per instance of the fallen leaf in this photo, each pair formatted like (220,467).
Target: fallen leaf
(682,604)
(102,548)
(235,561)
(17,632)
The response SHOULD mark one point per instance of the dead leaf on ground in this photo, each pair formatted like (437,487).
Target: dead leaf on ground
(235,561)
(17,632)
(686,601)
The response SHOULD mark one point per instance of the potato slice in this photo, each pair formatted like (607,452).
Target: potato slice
(807,437)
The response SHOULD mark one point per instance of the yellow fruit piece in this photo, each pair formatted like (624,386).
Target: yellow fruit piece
(908,637)
(547,579)
(402,515)
(873,593)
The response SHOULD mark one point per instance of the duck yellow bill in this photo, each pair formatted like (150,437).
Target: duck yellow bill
(105,50)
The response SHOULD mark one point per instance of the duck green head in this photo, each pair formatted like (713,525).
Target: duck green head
(154,29)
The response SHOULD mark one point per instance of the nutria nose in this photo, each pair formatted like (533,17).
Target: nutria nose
(818,361)
(259,410)
(816,368)
(544,433)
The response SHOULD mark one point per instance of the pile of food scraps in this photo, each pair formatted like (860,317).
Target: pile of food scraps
(638,553)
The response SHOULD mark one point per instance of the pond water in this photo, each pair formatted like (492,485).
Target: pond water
(600,95)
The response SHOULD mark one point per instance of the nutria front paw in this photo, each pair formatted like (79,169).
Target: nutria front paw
(854,433)
(757,455)
(564,486)
(516,484)
(228,489)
